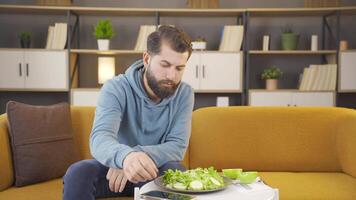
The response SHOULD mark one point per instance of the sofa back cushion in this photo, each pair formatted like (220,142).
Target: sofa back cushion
(6,170)
(265,138)
(41,140)
(82,122)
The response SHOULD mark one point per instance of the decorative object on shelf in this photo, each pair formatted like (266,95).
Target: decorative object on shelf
(321,3)
(314,43)
(265,46)
(343,45)
(232,37)
(203,3)
(271,75)
(25,39)
(289,39)
(103,32)
(106,68)
(199,43)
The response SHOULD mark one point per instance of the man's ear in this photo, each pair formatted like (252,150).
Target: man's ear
(146,59)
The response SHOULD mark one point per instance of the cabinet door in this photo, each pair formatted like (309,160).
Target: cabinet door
(220,71)
(313,99)
(347,71)
(46,70)
(11,69)
(270,98)
(191,71)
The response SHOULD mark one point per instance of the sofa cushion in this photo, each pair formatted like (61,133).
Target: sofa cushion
(295,186)
(256,138)
(6,169)
(45,190)
(41,140)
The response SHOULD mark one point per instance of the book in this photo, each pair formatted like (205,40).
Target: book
(144,32)
(57,36)
(49,37)
(231,39)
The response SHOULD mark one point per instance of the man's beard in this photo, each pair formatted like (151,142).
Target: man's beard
(157,86)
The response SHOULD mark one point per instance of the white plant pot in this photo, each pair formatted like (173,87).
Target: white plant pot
(103,44)
(199,45)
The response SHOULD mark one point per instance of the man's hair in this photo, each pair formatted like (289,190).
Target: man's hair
(178,40)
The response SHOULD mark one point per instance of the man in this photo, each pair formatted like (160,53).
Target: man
(142,122)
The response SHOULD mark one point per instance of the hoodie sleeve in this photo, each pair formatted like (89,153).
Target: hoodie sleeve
(176,142)
(104,143)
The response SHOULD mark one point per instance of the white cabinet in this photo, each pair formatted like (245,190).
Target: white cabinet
(34,70)
(84,97)
(214,71)
(347,71)
(290,98)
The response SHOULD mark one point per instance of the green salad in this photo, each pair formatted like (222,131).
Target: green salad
(195,179)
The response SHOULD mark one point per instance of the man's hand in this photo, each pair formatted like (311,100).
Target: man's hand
(117,179)
(139,167)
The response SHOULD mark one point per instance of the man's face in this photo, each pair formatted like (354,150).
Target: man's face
(165,70)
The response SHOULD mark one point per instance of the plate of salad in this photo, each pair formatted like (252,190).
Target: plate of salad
(200,180)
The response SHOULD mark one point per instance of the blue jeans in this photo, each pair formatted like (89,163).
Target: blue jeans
(86,179)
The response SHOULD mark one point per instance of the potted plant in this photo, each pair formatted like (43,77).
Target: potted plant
(289,39)
(103,32)
(199,43)
(271,76)
(25,39)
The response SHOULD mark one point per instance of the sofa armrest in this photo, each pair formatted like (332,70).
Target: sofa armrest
(6,169)
(346,142)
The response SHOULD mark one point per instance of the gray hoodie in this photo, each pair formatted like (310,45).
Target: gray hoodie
(127,120)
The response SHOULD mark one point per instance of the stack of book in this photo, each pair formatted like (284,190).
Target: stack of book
(319,77)
(231,39)
(57,36)
(144,32)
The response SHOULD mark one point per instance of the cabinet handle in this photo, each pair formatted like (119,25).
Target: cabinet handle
(196,71)
(27,70)
(20,69)
(203,71)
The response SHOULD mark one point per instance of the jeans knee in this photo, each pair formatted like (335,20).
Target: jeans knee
(84,170)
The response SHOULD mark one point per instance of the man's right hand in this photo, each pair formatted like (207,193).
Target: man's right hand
(139,167)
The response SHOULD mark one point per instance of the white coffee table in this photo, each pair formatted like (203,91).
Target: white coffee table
(254,191)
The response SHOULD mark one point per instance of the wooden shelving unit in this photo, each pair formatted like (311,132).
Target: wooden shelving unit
(244,13)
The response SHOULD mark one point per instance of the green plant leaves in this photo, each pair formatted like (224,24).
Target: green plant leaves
(103,30)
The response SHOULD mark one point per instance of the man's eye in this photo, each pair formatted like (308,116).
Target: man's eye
(180,68)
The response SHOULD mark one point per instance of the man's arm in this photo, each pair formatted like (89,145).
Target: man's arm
(177,140)
(104,144)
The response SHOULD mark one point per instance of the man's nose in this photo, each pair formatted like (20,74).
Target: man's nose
(170,73)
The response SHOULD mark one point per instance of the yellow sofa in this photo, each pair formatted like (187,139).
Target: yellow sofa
(307,153)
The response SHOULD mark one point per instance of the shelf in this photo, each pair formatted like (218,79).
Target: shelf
(195,91)
(301,11)
(288,90)
(217,91)
(82,10)
(110,52)
(294,52)
(30,49)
